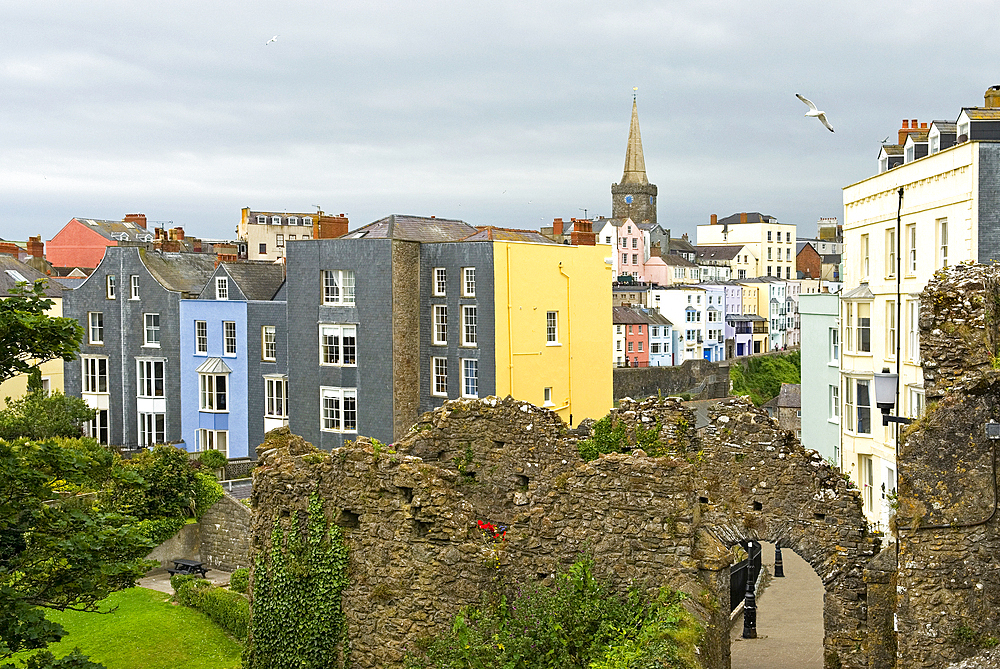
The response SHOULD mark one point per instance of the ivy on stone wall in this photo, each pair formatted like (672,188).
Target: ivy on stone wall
(297,619)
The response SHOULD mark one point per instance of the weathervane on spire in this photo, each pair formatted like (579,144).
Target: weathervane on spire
(634,89)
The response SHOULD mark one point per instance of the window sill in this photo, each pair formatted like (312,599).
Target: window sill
(473,346)
(96,343)
(268,359)
(213,410)
(439,343)
(833,421)
(151,346)
(201,353)
(553,343)
(329,431)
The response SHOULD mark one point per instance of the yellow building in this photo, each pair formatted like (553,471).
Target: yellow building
(12,273)
(552,306)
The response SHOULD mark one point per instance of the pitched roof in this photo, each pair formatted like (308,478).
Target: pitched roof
(982,113)
(214,366)
(258,280)
(790,396)
(830,258)
(945,127)
(490,233)
(13,272)
(673,260)
(862,292)
(182,272)
(635,165)
(752,217)
(414,229)
(628,315)
(122,231)
(893,149)
(680,244)
(717,252)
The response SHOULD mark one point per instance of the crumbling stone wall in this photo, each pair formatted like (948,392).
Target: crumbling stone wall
(225,535)
(949,532)
(410,514)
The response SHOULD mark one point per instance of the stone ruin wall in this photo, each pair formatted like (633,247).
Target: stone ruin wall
(417,556)
(949,576)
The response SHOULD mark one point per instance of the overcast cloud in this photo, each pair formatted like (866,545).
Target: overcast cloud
(497,113)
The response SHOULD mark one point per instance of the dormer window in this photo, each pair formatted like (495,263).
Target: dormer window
(293,220)
(883,164)
(963,127)
(307,220)
(262,220)
(276,220)
(934,139)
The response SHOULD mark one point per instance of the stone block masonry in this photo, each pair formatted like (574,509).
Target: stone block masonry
(417,556)
(225,535)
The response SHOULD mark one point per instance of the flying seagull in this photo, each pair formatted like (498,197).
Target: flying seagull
(815,112)
(273,39)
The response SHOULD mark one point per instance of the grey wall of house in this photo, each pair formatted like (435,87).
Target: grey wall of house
(123,340)
(370,260)
(260,314)
(989,203)
(453,257)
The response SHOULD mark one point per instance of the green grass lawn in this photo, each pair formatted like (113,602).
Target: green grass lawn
(146,631)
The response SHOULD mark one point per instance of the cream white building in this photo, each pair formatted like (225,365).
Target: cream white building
(947,196)
(267,233)
(768,246)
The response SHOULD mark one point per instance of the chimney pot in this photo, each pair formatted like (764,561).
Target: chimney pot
(743,217)
(923,125)
(906,124)
(913,124)
(138,219)
(715,219)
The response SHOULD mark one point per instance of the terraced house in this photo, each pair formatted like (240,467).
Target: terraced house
(395,317)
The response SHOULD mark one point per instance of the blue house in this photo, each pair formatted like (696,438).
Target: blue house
(234,376)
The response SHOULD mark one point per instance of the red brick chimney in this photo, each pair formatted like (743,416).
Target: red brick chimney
(743,217)
(909,128)
(331,227)
(714,220)
(36,247)
(557,226)
(992,97)
(138,219)
(179,232)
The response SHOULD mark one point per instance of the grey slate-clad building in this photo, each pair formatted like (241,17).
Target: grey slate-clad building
(364,313)
(129,361)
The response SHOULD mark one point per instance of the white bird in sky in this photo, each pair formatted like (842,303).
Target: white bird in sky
(821,115)
(273,39)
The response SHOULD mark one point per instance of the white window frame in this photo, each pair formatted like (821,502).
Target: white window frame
(338,287)
(863,328)
(890,253)
(440,279)
(276,397)
(134,282)
(470,321)
(279,241)
(261,220)
(151,330)
(834,346)
(150,374)
(152,428)
(338,345)
(865,257)
(915,402)
(834,407)
(99,428)
(439,376)
(276,220)
(221,288)
(911,235)
(213,440)
(95,327)
(470,377)
(341,414)
(211,397)
(890,330)
(293,220)
(942,239)
(439,328)
(95,374)
(913,331)
(109,287)
(268,343)
(201,338)
(229,340)
(552,328)
(468,282)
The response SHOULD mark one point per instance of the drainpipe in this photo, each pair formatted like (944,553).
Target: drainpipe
(510,330)
(569,340)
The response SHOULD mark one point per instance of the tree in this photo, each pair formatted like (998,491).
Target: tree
(59,548)
(29,336)
(38,415)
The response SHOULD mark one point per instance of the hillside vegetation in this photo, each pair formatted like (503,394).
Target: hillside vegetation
(761,377)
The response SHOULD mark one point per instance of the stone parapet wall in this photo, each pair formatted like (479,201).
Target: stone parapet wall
(700,378)
(225,535)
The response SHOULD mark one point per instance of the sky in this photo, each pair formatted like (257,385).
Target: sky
(495,113)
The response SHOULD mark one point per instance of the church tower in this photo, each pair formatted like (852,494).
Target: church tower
(634,197)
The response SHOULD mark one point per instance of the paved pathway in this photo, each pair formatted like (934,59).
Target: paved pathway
(789,620)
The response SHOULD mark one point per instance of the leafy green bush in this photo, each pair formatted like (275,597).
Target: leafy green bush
(213,459)
(207,492)
(229,610)
(168,485)
(177,580)
(608,438)
(159,530)
(38,415)
(239,580)
(761,377)
(579,621)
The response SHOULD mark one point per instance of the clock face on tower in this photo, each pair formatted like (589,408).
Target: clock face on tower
(628,199)
(651,198)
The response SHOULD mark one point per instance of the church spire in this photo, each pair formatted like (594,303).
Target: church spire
(635,166)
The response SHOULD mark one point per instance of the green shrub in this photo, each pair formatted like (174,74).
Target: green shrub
(240,580)
(177,580)
(229,610)
(579,621)
(167,487)
(761,377)
(213,459)
(159,530)
(207,492)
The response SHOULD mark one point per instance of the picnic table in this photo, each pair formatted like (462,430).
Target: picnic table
(188,567)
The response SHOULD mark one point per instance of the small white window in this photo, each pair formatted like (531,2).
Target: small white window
(151,330)
(95,375)
(552,327)
(221,288)
(547,395)
(307,220)
(96,321)
(468,281)
(469,325)
(338,345)
(440,281)
(262,220)
(268,343)
(275,397)
(214,440)
(135,286)
(470,377)
(213,392)
(200,337)
(111,286)
(229,337)
(279,241)
(338,287)
(293,220)
(440,332)
(339,409)
(276,220)
(439,377)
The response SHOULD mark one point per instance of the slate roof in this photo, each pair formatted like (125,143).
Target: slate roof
(257,280)
(717,252)
(682,245)
(214,366)
(117,230)
(752,217)
(11,268)
(626,315)
(182,272)
(492,234)
(790,396)
(893,149)
(744,317)
(919,137)
(945,127)
(674,260)
(862,292)
(414,229)
(982,113)
(830,259)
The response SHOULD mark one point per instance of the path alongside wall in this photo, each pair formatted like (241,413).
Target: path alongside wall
(221,539)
